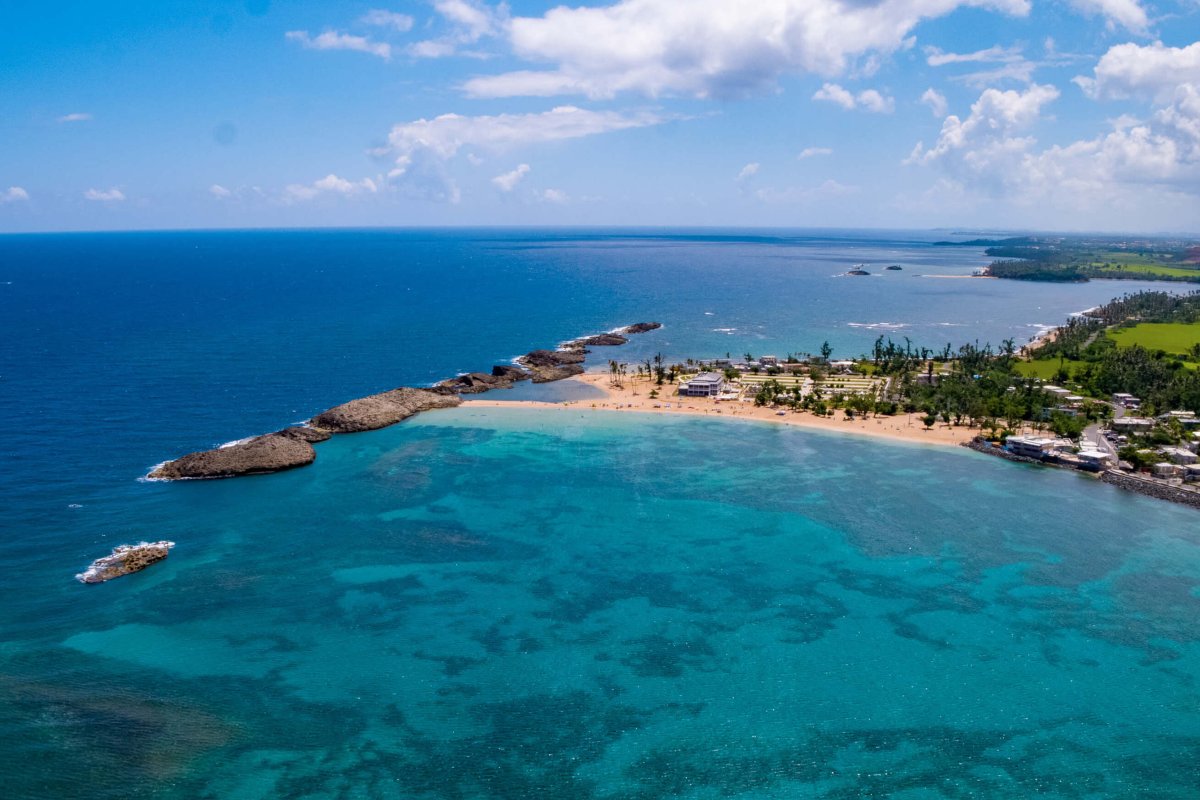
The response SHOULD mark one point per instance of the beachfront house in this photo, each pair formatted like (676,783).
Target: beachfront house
(1191,472)
(1090,458)
(706,384)
(1030,446)
(769,361)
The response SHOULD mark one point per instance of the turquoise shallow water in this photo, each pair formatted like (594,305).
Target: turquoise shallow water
(682,608)
(515,605)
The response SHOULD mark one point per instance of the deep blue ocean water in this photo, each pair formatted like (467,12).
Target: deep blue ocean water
(507,603)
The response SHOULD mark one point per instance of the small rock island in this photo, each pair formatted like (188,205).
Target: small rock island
(125,560)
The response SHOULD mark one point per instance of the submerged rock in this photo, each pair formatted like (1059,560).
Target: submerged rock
(271,452)
(381,410)
(125,559)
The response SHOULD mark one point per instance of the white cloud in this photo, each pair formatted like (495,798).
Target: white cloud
(331,40)
(708,48)
(474,160)
(867,100)
(469,21)
(14,194)
(748,171)
(936,101)
(76,117)
(219,191)
(556,196)
(380,18)
(422,148)
(1127,14)
(813,152)
(330,184)
(936,57)
(803,194)
(1151,72)
(1137,172)
(509,180)
(991,130)
(110,196)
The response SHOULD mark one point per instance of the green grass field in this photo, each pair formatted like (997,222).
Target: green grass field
(1173,337)
(1043,369)
(1149,269)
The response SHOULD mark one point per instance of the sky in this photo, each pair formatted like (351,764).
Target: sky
(1071,115)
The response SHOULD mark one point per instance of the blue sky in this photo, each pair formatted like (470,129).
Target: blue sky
(1070,115)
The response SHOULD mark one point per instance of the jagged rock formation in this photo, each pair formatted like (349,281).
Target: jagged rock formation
(600,340)
(553,365)
(381,410)
(640,327)
(476,382)
(514,374)
(271,452)
(125,559)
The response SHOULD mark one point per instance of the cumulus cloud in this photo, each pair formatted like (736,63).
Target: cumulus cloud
(1138,168)
(992,127)
(556,196)
(330,184)
(14,194)
(509,180)
(380,18)
(867,100)
(1127,14)
(113,195)
(748,171)
(1147,72)
(936,101)
(813,152)
(707,48)
(422,148)
(332,40)
(76,117)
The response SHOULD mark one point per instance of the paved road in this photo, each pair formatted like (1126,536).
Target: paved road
(1092,437)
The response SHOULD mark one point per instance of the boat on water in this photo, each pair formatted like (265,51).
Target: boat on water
(895,267)
(859,269)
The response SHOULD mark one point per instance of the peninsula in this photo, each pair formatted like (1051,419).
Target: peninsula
(293,447)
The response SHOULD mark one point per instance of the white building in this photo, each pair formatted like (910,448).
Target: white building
(706,384)
(1030,446)
(1095,459)
(1179,455)
(1166,469)
(1132,424)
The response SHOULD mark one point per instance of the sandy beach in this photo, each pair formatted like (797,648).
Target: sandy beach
(633,397)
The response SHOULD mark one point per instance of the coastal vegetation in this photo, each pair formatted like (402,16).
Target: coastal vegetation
(1079,259)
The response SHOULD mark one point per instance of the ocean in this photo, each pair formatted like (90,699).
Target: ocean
(497,603)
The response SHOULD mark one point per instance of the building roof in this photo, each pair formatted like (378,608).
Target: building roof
(707,377)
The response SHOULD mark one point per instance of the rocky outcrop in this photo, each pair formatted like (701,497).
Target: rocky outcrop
(640,327)
(271,452)
(293,446)
(125,559)
(501,377)
(303,433)
(381,410)
(553,365)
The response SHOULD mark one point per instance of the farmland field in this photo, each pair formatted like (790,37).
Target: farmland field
(1173,337)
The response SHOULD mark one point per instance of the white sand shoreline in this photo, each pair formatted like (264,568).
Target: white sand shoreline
(633,397)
